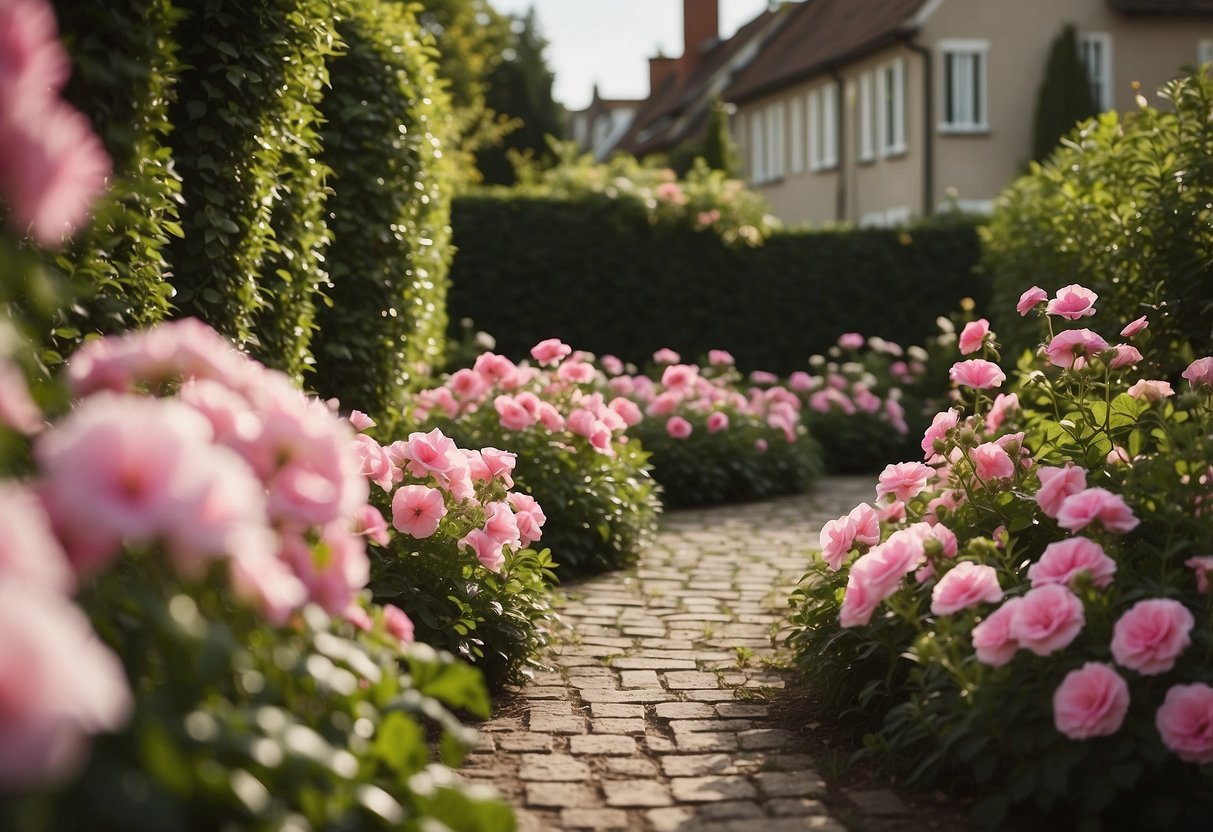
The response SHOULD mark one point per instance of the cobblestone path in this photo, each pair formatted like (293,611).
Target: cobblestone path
(653,717)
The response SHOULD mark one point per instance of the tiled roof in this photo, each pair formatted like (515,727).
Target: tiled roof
(678,108)
(1196,8)
(819,34)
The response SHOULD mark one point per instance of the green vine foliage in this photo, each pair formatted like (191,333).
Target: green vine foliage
(385,135)
(245,146)
(123,77)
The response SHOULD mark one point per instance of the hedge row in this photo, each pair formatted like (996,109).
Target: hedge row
(595,274)
(246,185)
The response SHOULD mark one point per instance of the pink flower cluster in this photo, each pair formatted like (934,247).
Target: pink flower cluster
(52,165)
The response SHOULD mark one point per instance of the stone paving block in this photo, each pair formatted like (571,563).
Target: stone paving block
(550,707)
(690,726)
(764,738)
(560,795)
(685,710)
(730,810)
(696,765)
(631,767)
(659,745)
(546,724)
(636,793)
(638,679)
(524,742)
(790,783)
(788,806)
(613,745)
(781,762)
(585,651)
(511,723)
(748,710)
(673,819)
(595,669)
(690,680)
(711,788)
(726,695)
(546,692)
(818,823)
(705,742)
(593,819)
(554,768)
(626,696)
(617,726)
(610,710)
(650,662)
(594,682)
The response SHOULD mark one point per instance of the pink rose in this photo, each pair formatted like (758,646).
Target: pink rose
(1072,302)
(1030,299)
(1080,510)
(397,622)
(948,544)
(763,377)
(678,427)
(965,585)
(1072,347)
(1151,390)
(612,365)
(836,539)
(720,358)
(1134,327)
(1056,484)
(991,462)
(874,577)
(977,373)
(993,641)
(679,376)
(1065,560)
(904,479)
(1151,635)
(801,381)
(576,372)
(850,341)
(1202,565)
(1048,618)
(550,351)
(417,510)
(937,432)
(1126,356)
(665,355)
(627,410)
(1185,722)
(468,385)
(513,416)
(1200,372)
(1090,702)
(529,517)
(867,524)
(1004,403)
(718,420)
(973,336)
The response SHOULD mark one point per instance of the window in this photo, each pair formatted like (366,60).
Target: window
(892,96)
(964,86)
(758,148)
(796,117)
(775,138)
(823,127)
(1204,52)
(1096,51)
(867,117)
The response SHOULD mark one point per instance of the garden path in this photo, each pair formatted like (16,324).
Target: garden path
(654,714)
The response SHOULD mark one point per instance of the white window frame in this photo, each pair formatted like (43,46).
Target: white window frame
(1100,76)
(775,155)
(867,117)
(965,70)
(823,127)
(891,95)
(758,147)
(1204,51)
(796,139)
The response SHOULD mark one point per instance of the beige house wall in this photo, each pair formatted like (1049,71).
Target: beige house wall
(970,167)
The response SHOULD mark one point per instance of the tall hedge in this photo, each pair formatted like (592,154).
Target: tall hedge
(246,147)
(384,138)
(602,278)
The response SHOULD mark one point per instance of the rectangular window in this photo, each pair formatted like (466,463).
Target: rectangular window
(893,107)
(867,117)
(758,148)
(775,142)
(823,127)
(796,117)
(1096,51)
(964,86)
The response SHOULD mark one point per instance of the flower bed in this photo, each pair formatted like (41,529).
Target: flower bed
(1026,611)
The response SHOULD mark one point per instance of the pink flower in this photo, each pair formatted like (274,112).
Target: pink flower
(1202,565)
(850,341)
(425,453)
(370,523)
(1004,403)
(965,585)
(977,373)
(60,684)
(550,351)
(761,445)
(1200,372)
(268,585)
(720,358)
(1072,347)
(29,552)
(867,524)
(679,376)
(973,336)
(500,465)
(1126,356)
(1065,560)
(993,641)
(948,544)
(991,462)
(468,385)
(397,622)
(496,369)
(357,615)
(1073,302)
(943,422)
(763,377)
(1151,390)
(576,372)
(1048,618)
(33,64)
(361,421)
(678,427)
(801,381)
(670,192)
(549,417)
(417,510)
(904,479)
(500,525)
(1134,327)
(611,365)
(1080,510)
(333,569)
(1029,300)
(1056,484)
(835,540)
(488,552)
(377,464)
(1185,722)
(529,517)
(1090,702)
(1151,635)
(513,416)
(665,355)
(875,576)
(18,411)
(718,420)
(627,410)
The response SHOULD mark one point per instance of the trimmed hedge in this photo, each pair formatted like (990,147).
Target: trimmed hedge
(385,134)
(593,273)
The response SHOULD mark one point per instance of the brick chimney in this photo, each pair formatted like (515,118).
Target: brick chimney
(700,26)
(660,68)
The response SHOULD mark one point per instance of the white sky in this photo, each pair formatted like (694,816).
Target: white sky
(610,41)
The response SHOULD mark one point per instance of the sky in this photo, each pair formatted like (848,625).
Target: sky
(610,41)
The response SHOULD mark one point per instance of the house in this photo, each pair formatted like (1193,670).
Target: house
(598,128)
(877,111)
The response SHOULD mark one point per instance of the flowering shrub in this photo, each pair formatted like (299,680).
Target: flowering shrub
(1027,610)
(711,442)
(572,455)
(209,519)
(459,565)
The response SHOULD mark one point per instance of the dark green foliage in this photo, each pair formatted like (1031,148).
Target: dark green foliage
(719,151)
(595,273)
(384,139)
(1125,207)
(244,145)
(124,70)
(1065,96)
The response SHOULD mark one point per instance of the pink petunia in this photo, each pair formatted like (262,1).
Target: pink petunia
(1056,484)
(991,462)
(1030,299)
(665,355)
(377,465)
(1072,302)
(417,510)
(1202,565)
(550,351)
(993,641)
(370,523)
(425,453)
(977,373)
(720,358)
(1151,390)
(529,517)
(500,524)
(1090,702)
(1200,372)
(487,551)
(1064,560)
(18,411)
(1004,403)
(904,480)
(512,415)
(1185,722)
(718,420)
(973,336)
(679,376)
(398,624)
(500,465)
(627,410)
(965,585)
(1134,327)
(1072,347)
(678,427)
(835,540)
(1126,356)
(1047,619)
(334,568)
(1151,635)
(937,433)
(29,551)
(1080,510)
(361,421)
